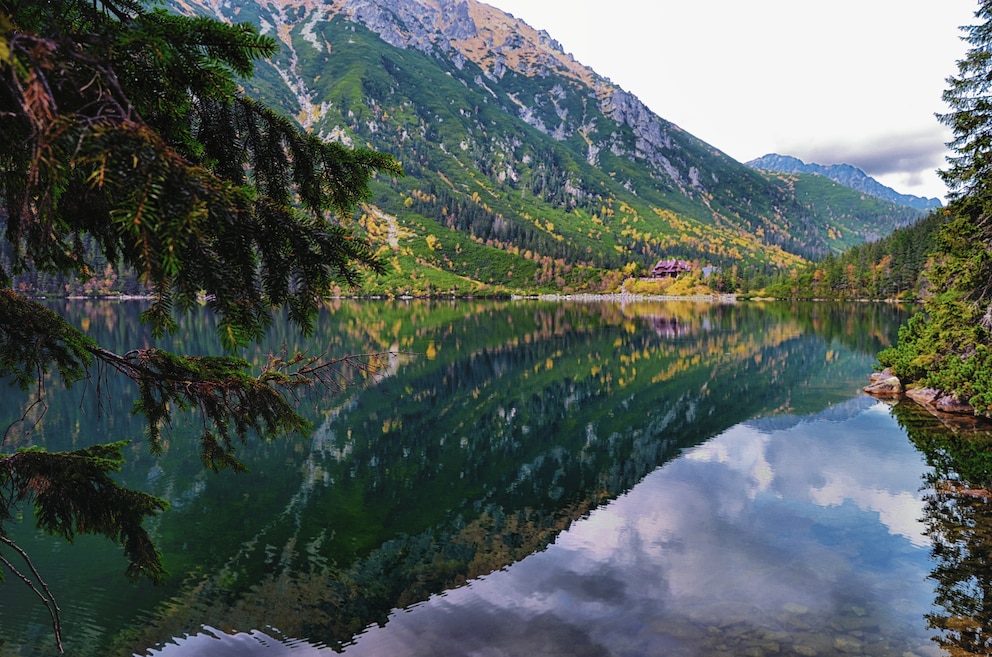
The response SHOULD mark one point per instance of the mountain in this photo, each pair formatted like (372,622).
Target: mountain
(850,213)
(846,175)
(524,168)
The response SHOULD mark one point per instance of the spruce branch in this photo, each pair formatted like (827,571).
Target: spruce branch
(39,402)
(74,493)
(125,126)
(232,402)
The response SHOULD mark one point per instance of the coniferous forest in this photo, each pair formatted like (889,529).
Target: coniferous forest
(948,346)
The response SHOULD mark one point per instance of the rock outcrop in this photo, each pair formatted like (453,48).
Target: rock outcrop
(885,385)
(939,401)
(947,407)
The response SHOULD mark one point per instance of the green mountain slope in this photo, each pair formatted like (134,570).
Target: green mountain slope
(524,169)
(851,217)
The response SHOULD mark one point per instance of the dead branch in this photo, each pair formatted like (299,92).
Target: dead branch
(43,592)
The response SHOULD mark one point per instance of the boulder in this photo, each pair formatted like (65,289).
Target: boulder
(884,384)
(884,374)
(937,400)
(951,404)
(924,396)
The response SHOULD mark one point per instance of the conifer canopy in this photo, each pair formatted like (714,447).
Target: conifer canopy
(948,347)
(125,127)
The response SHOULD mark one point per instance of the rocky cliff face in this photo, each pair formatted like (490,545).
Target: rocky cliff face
(463,31)
(466,30)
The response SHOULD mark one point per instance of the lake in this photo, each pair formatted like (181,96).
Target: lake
(532,478)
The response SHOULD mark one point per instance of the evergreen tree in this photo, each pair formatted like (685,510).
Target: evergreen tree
(125,126)
(969,99)
(948,346)
(969,174)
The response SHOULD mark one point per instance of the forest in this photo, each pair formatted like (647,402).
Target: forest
(948,346)
(892,268)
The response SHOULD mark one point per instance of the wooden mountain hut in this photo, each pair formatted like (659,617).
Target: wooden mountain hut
(670,268)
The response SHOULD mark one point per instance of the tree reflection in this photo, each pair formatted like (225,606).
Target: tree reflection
(958,508)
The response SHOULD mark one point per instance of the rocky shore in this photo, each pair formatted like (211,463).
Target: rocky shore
(947,407)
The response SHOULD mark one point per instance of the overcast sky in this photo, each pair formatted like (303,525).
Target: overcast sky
(847,81)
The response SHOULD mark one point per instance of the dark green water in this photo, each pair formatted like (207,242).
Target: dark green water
(525,479)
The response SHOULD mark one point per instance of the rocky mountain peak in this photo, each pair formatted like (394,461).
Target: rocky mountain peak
(462,31)
(466,30)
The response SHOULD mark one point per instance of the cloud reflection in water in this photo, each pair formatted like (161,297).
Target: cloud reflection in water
(783,530)
(798,532)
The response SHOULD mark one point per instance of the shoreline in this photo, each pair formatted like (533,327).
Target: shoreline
(627,297)
(622,297)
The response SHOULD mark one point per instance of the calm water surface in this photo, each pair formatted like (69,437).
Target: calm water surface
(524,479)
(802,539)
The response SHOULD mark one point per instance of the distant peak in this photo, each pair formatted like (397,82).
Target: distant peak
(844,174)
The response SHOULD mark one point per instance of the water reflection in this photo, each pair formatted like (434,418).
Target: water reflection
(734,549)
(496,446)
(744,546)
(959,525)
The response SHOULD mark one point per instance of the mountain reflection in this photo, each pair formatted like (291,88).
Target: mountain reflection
(758,542)
(494,428)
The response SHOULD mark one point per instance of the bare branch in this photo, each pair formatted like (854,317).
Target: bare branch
(23,419)
(44,592)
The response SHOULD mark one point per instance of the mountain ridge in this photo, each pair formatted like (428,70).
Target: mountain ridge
(845,174)
(524,167)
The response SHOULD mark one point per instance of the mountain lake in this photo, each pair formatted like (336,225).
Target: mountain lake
(531,478)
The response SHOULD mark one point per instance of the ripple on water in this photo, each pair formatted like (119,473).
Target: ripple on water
(211,642)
